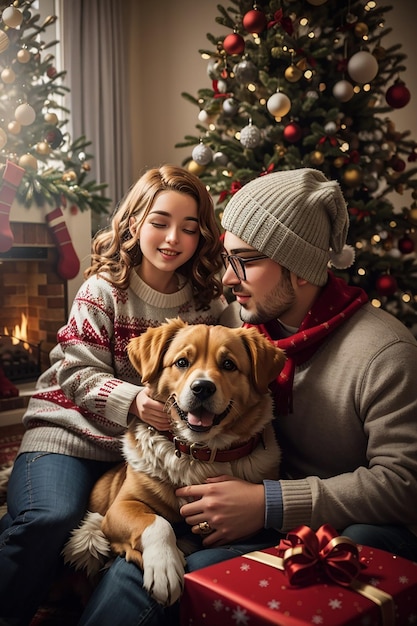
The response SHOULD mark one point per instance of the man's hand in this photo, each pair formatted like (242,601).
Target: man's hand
(233,508)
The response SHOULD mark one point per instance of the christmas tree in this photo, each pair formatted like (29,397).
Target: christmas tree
(309,83)
(33,118)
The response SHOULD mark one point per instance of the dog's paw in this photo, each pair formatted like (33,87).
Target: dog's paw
(88,548)
(163,562)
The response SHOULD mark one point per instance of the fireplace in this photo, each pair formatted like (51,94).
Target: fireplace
(34,299)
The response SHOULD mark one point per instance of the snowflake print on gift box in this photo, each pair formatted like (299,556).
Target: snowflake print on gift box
(335,604)
(274,605)
(317,619)
(240,616)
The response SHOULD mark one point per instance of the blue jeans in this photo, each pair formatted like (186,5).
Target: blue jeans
(47,498)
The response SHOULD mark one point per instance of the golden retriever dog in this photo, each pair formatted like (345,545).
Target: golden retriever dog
(214,382)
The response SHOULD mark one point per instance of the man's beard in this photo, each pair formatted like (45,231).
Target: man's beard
(274,304)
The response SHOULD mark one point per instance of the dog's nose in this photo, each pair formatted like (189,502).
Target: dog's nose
(203,388)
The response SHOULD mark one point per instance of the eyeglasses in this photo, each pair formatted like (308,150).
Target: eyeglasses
(238,264)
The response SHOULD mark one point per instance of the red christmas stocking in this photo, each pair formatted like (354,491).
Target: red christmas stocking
(68,263)
(12,176)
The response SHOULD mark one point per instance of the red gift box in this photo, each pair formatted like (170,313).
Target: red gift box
(317,579)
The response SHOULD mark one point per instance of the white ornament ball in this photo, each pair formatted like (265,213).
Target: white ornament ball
(230,106)
(220,158)
(203,117)
(250,136)
(343,90)
(25,114)
(278,104)
(222,86)
(202,154)
(3,138)
(330,128)
(362,67)
(12,17)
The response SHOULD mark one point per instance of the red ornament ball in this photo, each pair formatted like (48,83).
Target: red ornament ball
(234,44)
(406,245)
(254,21)
(397,164)
(386,285)
(292,132)
(398,95)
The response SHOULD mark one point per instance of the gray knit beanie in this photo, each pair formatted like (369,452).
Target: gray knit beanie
(295,217)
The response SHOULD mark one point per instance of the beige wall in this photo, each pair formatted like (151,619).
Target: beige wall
(166,36)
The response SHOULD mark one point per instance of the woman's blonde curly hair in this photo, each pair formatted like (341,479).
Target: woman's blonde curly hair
(115,252)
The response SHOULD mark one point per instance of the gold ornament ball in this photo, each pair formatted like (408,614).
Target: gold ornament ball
(4,41)
(14,127)
(3,138)
(339,162)
(12,17)
(51,118)
(43,148)
(317,157)
(29,162)
(8,76)
(413,215)
(361,29)
(195,168)
(23,56)
(69,177)
(352,176)
(293,74)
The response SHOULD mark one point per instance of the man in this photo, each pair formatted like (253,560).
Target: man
(346,400)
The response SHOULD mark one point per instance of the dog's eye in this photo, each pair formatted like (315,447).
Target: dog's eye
(229,365)
(182,362)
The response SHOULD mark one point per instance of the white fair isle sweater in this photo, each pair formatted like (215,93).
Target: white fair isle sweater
(82,403)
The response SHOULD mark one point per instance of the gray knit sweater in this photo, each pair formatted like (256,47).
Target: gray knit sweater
(82,403)
(350,445)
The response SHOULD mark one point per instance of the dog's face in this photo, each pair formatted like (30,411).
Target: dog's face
(209,377)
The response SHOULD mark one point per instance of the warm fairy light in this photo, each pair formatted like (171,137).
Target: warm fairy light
(406,298)
(376,303)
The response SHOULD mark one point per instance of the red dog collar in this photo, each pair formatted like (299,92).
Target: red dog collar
(202,453)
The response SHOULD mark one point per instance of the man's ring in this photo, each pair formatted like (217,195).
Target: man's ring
(205,528)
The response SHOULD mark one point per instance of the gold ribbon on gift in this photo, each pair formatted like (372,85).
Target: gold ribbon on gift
(303,550)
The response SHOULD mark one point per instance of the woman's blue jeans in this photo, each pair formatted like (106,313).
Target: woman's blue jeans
(47,498)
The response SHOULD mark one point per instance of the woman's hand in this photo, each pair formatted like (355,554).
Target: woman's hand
(233,508)
(150,411)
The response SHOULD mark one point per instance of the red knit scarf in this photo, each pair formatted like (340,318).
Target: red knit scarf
(336,303)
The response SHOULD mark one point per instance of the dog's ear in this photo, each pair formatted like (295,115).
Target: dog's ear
(147,351)
(267,359)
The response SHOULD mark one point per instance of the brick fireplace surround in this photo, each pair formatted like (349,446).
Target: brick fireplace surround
(31,286)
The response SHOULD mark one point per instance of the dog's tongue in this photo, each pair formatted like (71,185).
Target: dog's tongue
(202,418)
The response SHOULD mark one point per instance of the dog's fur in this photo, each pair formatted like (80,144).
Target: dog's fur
(214,383)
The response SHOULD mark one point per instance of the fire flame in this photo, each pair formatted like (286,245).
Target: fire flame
(19,332)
